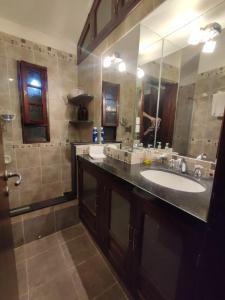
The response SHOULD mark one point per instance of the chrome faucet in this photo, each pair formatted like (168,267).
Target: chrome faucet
(182,165)
(201,156)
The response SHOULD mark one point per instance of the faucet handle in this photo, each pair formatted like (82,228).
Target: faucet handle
(198,171)
(171,163)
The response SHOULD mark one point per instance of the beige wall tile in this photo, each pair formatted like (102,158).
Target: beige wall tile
(51,174)
(51,190)
(31,193)
(27,157)
(50,155)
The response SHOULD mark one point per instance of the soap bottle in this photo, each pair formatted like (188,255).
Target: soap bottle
(102,135)
(95,135)
(159,145)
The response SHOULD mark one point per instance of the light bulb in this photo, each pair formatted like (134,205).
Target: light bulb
(107,62)
(122,67)
(140,73)
(195,37)
(209,47)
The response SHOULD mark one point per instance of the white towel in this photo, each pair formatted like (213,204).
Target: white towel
(218,104)
(96,152)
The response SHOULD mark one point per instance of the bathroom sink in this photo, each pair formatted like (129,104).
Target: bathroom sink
(173,181)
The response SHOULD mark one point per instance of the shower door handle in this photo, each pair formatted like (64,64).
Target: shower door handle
(8,175)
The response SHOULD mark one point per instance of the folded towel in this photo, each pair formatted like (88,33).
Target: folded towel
(218,104)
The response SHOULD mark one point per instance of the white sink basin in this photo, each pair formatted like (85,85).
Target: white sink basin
(173,181)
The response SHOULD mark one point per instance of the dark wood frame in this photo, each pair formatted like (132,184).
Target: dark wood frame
(120,10)
(23,68)
(104,123)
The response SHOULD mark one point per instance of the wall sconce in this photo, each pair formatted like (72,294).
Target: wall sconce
(115,59)
(206,35)
(140,73)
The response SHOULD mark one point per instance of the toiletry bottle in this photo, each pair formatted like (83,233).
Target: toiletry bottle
(95,135)
(102,135)
(159,145)
(167,146)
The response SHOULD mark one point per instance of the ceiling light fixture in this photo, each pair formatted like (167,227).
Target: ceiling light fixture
(140,73)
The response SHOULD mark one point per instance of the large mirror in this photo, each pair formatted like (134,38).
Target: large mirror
(172,92)
(119,88)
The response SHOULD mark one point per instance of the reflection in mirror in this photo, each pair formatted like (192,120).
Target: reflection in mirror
(167,94)
(200,98)
(148,85)
(119,68)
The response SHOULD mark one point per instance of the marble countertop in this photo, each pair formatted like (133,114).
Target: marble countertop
(195,204)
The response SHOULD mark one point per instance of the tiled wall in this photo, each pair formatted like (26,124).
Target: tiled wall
(89,71)
(45,170)
(34,225)
(205,129)
(196,130)
(45,167)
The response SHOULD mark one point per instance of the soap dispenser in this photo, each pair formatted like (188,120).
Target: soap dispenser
(159,145)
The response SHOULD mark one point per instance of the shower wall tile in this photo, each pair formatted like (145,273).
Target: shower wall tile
(31,226)
(40,165)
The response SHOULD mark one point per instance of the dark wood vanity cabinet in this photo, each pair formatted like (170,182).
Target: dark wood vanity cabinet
(153,248)
(168,248)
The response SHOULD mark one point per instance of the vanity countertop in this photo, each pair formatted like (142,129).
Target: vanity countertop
(195,204)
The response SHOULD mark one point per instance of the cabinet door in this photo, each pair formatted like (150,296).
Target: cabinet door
(104,13)
(89,194)
(168,254)
(119,232)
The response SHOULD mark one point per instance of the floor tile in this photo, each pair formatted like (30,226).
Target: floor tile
(70,233)
(95,276)
(81,292)
(24,297)
(41,245)
(22,278)
(65,266)
(113,293)
(62,287)
(45,266)
(78,250)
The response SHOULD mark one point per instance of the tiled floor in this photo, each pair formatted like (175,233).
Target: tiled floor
(65,265)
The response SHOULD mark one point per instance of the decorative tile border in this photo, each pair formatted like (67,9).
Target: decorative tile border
(19,42)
